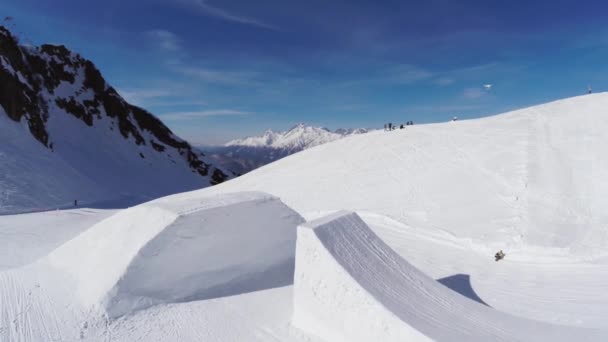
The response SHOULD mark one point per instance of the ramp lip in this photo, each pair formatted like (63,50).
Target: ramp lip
(322,221)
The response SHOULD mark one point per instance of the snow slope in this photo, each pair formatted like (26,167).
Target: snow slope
(535,177)
(351,286)
(522,284)
(21,159)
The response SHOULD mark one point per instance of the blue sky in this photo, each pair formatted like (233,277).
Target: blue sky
(215,70)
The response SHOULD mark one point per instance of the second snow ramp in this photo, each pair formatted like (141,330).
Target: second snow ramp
(350,286)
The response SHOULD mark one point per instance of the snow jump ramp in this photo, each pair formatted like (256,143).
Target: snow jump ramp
(350,286)
(175,250)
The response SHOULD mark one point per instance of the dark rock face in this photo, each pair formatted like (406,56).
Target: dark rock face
(34,80)
(16,97)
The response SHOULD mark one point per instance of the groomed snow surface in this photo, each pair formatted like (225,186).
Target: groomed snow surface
(351,286)
(410,259)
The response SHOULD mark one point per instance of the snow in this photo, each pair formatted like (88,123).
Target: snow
(26,238)
(533,177)
(123,256)
(266,139)
(411,258)
(297,138)
(95,165)
(522,284)
(243,155)
(351,286)
(4,64)
(194,259)
(23,187)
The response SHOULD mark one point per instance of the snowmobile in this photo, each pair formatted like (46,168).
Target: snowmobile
(499,255)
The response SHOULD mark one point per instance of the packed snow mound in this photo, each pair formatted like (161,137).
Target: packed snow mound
(350,286)
(180,251)
(532,177)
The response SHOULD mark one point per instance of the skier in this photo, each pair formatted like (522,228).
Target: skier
(589,90)
(401,126)
(499,255)
(75,203)
(390,126)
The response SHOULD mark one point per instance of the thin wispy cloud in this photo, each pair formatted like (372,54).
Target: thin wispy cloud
(403,74)
(204,7)
(164,39)
(407,74)
(141,96)
(473,93)
(192,115)
(444,81)
(447,108)
(179,103)
(161,97)
(219,76)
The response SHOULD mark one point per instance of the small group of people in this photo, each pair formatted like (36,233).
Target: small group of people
(389,126)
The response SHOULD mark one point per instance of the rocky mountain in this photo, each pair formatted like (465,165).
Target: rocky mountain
(66,134)
(244,155)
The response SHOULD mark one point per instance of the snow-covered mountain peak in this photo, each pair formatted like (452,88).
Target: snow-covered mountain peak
(351,131)
(299,125)
(244,155)
(297,138)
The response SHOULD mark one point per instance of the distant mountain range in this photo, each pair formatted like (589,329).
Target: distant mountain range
(66,134)
(243,155)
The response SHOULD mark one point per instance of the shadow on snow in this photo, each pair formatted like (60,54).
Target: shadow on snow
(461,283)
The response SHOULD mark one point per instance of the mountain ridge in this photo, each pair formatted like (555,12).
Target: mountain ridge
(246,154)
(62,100)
